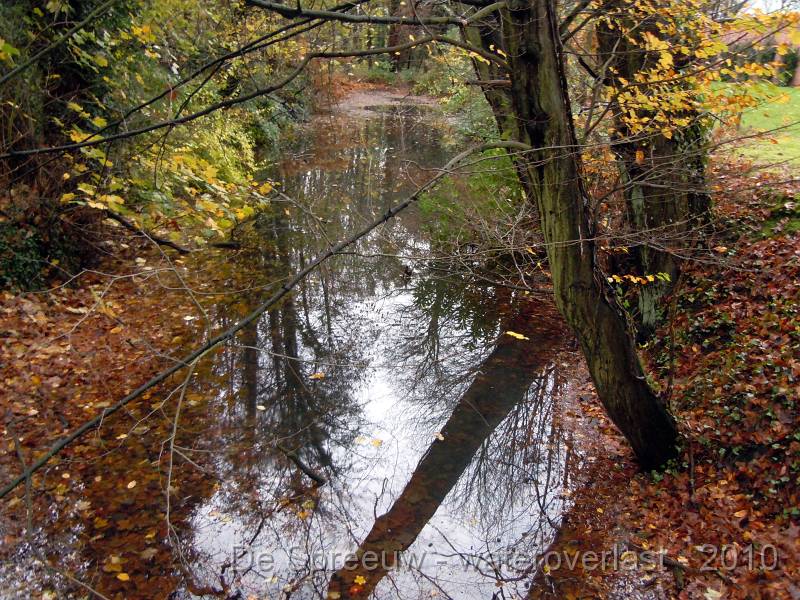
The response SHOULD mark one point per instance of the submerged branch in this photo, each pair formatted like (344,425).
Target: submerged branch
(132,227)
(310,473)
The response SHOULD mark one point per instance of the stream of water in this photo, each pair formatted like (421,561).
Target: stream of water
(378,431)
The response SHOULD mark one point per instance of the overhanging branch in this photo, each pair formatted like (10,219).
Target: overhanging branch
(299,12)
(259,92)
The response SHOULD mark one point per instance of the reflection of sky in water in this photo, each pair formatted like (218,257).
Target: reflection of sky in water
(401,396)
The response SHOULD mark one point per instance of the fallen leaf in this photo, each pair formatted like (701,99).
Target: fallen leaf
(516,335)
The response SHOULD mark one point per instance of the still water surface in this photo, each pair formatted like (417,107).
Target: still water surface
(380,413)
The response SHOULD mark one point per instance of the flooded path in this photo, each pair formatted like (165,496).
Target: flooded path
(377,432)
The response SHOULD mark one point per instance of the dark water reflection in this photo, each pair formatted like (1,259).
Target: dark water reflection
(381,409)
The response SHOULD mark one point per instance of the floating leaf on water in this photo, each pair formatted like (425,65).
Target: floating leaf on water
(516,335)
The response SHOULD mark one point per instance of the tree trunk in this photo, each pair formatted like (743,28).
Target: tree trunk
(552,180)
(663,176)
(796,77)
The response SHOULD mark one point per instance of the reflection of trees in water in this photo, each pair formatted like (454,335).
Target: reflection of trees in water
(341,166)
(448,328)
(520,469)
(511,374)
(346,173)
(450,358)
(276,357)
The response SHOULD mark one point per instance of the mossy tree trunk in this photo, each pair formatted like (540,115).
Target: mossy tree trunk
(662,175)
(552,180)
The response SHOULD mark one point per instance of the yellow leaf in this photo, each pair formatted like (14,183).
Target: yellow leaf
(123,576)
(516,335)
(75,107)
(317,376)
(99,122)
(639,156)
(76,135)
(265,188)
(376,442)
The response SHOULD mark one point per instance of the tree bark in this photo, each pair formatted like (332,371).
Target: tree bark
(663,176)
(796,77)
(552,180)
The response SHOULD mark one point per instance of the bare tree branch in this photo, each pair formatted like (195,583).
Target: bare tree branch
(298,12)
(257,93)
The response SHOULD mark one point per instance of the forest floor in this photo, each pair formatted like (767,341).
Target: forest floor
(67,354)
(726,515)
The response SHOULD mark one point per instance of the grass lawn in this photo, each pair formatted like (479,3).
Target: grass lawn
(777,145)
